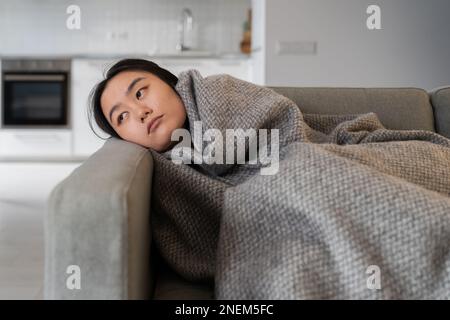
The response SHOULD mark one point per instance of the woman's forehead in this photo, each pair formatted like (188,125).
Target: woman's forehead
(124,78)
(117,86)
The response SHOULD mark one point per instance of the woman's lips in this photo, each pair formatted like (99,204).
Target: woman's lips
(154,123)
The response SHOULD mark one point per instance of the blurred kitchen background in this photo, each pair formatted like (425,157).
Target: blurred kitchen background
(47,71)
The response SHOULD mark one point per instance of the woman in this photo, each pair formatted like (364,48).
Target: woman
(137,102)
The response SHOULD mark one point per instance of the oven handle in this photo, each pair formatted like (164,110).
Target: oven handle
(37,77)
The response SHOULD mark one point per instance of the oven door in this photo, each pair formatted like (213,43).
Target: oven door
(36,99)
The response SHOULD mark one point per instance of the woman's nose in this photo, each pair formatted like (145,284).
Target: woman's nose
(144,114)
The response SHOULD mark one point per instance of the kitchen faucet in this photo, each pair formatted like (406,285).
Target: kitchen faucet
(185,24)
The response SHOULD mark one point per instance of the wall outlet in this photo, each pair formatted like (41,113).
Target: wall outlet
(113,35)
(296,47)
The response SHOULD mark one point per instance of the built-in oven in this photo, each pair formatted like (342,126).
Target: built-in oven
(35,109)
(35,93)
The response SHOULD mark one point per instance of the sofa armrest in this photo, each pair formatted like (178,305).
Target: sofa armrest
(98,219)
(440,99)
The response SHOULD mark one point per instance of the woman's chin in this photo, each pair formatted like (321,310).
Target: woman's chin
(159,148)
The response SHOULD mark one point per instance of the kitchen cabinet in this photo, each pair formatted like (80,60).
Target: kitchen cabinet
(87,72)
(29,141)
(35,143)
(238,68)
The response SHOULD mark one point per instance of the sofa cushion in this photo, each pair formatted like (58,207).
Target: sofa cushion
(397,108)
(440,98)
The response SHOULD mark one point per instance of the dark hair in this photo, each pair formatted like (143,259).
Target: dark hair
(95,110)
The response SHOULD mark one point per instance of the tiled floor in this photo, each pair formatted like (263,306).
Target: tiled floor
(23,192)
(21,250)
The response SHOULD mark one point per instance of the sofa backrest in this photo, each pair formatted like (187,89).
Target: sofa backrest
(440,98)
(397,108)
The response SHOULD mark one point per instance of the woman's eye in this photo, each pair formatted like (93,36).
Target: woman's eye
(120,118)
(139,94)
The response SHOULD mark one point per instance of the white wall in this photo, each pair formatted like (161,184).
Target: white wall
(31,27)
(412,49)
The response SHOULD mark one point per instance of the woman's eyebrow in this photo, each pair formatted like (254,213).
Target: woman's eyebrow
(130,87)
(132,84)
(113,109)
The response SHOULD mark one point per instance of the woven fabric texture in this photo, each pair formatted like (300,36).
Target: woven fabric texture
(349,194)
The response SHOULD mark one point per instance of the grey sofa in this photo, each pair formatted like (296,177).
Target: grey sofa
(99,217)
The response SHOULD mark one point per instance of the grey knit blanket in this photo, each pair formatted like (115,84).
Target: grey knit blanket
(355,211)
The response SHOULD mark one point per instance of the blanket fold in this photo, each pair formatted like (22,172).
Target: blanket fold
(349,197)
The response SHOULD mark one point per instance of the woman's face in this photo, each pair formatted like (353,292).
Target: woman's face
(133,99)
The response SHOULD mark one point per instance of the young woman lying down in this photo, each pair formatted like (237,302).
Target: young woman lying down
(343,193)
